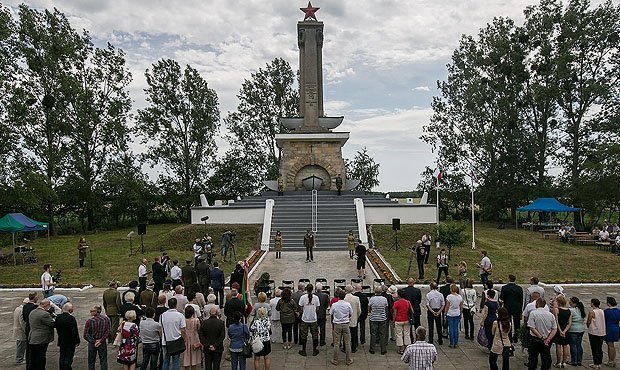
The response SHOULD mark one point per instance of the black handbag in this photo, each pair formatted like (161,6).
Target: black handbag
(410,315)
(247,350)
(173,347)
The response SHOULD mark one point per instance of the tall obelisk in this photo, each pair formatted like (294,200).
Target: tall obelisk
(312,154)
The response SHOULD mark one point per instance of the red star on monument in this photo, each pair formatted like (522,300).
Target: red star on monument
(309,12)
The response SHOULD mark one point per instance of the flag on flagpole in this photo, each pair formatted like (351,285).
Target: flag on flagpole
(437,173)
(244,283)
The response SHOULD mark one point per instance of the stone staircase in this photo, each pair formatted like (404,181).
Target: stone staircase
(292,215)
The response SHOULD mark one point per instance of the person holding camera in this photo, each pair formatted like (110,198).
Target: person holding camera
(420,255)
(47,282)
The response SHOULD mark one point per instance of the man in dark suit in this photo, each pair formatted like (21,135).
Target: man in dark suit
(41,334)
(217,283)
(28,308)
(203,274)
(68,336)
(361,322)
(159,275)
(233,305)
(511,296)
(321,312)
(414,296)
(212,333)
(188,274)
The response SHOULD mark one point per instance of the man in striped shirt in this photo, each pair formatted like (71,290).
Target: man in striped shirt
(420,355)
(96,330)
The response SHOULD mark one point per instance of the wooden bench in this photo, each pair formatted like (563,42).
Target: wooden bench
(603,245)
(549,235)
(584,241)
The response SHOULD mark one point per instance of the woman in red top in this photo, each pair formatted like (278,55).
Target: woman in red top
(400,313)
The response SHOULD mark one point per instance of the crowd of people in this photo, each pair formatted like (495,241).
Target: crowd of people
(183,318)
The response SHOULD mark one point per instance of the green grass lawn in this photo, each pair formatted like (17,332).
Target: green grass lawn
(110,251)
(520,252)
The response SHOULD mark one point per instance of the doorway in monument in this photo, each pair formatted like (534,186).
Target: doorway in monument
(307,172)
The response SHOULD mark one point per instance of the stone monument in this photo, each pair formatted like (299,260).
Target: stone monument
(312,153)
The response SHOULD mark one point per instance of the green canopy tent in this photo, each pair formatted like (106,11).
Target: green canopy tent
(14,223)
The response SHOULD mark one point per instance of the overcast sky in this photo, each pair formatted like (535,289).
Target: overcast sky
(382,58)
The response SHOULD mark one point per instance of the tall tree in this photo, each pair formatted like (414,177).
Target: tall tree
(8,75)
(179,128)
(268,95)
(363,168)
(50,50)
(588,74)
(477,121)
(99,108)
(540,104)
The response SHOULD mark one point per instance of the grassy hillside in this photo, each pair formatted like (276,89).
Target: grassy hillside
(521,252)
(110,252)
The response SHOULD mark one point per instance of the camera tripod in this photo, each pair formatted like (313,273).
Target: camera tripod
(395,245)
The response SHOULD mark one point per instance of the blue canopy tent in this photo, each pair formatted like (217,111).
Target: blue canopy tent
(18,223)
(550,205)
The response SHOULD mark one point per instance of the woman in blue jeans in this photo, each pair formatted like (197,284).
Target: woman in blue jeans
(454,311)
(238,333)
(576,330)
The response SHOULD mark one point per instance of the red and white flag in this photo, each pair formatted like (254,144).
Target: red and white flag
(437,173)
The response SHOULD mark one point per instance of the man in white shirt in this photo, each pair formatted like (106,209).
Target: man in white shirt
(341,312)
(176,274)
(47,282)
(355,315)
(543,327)
(534,287)
(420,355)
(603,236)
(173,328)
(485,267)
(309,303)
(435,303)
(142,273)
(198,248)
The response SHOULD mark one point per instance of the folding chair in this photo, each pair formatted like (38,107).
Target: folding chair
(367,289)
(288,284)
(356,281)
(304,281)
(339,283)
(321,280)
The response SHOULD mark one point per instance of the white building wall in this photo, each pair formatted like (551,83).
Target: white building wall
(229,215)
(408,214)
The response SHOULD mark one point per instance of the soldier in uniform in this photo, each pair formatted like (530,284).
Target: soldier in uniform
(112,305)
(148,297)
(280,185)
(339,184)
(203,274)
(188,275)
(351,244)
(82,251)
(309,245)
(278,244)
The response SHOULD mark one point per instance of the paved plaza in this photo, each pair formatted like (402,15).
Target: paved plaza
(469,355)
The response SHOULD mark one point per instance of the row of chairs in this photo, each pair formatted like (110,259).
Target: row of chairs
(338,283)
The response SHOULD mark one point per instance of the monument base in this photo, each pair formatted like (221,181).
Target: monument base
(312,154)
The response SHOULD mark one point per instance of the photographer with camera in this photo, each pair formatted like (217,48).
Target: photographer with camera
(227,243)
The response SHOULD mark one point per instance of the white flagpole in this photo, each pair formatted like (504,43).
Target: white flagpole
(473,229)
(437,188)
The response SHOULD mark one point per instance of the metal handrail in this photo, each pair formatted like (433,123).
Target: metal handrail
(315,211)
